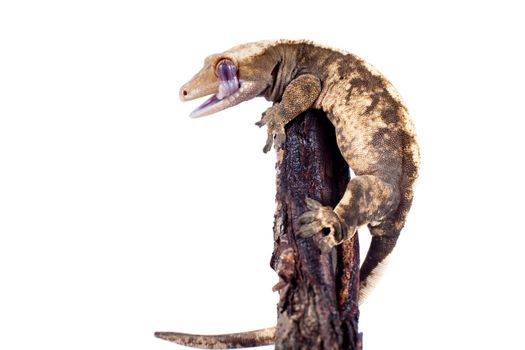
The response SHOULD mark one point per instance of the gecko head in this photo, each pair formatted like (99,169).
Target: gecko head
(231,78)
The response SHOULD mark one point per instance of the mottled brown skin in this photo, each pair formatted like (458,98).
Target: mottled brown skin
(373,130)
(227,341)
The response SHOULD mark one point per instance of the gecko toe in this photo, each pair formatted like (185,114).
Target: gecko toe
(269,143)
(280,139)
(308,230)
(308,217)
(327,243)
(312,204)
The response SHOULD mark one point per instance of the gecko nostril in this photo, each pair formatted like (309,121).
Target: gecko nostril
(184,93)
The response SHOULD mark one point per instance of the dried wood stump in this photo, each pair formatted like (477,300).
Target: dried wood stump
(318,306)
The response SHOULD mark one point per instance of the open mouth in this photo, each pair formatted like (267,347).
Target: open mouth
(228,84)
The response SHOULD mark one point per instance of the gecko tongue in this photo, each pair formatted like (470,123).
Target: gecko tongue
(227,72)
(228,84)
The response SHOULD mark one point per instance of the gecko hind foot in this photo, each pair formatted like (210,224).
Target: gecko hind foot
(319,217)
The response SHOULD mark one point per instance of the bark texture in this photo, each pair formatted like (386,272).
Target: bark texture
(318,307)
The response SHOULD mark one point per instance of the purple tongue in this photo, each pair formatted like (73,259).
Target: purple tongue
(212,100)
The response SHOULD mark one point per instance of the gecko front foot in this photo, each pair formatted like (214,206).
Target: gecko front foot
(316,219)
(276,132)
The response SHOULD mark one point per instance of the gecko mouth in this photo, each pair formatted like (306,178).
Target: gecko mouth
(228,86)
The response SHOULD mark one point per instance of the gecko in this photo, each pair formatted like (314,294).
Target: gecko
(374,134)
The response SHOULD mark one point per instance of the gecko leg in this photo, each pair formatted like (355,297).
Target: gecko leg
(367,199)
(299,95)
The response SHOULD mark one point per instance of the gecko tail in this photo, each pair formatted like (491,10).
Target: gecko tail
(249,339)
(375,262)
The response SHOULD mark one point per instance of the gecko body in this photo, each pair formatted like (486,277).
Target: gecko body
(373,130)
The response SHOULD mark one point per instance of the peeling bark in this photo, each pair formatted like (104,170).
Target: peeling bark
(318,306)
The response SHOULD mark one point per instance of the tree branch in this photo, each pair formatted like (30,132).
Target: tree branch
(318,307)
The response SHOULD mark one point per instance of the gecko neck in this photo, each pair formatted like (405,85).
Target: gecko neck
(285,57)
(294,59)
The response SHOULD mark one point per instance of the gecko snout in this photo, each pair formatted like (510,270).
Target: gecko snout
(191,90)
(183,93)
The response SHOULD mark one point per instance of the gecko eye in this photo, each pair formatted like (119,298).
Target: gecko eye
(226,70)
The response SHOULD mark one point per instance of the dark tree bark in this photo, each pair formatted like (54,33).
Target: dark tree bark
(318,307)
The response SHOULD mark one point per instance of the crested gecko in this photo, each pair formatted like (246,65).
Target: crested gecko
(373,129)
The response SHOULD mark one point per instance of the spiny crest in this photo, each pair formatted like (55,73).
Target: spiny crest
(259,47)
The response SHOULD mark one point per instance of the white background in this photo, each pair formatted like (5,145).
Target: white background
(120,216)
